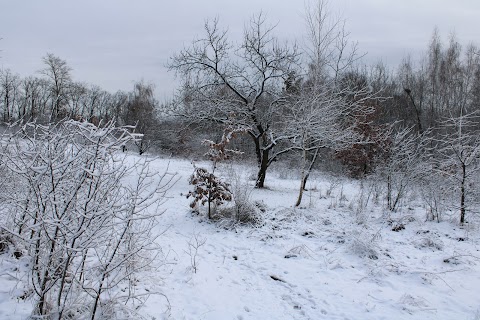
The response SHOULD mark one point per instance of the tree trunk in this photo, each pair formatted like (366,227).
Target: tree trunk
(306,173)
(462,196)
(417,112)
(210,187)
(389,193)
(262,170)
(311,166)
(303,180)
(302,188)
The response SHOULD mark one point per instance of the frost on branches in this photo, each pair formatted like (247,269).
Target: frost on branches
(82,214)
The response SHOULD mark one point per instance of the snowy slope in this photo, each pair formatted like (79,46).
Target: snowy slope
(328,260)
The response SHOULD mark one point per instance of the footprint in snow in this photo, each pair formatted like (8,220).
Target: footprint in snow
(293,303)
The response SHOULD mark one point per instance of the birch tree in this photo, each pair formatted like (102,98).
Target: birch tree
(328,106)
(318,121)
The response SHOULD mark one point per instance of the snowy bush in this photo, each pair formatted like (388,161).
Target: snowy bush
(403,166)
(436,196)
(365,244)
(243,209)
(84,214)
(428,240)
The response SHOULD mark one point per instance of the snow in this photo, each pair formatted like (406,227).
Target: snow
(330,259)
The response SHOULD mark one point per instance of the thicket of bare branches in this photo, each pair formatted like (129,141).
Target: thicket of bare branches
(238,84)
(81,213)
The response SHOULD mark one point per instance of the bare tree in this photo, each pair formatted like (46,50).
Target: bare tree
(31,98)
(328,106)
(58,73)
(141,113)
(405,164)
(118,107)
(330,51)
(76,100)
(95,103)
(238,84)
(319,120)
(9,93)
(458,149)
(444,84)
(40,98)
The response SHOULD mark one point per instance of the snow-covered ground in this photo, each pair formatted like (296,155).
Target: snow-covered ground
(333,258)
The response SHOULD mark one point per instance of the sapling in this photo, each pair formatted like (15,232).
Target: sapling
(207,187)
(194,245)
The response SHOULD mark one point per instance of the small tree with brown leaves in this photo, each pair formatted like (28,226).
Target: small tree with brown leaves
(208,188)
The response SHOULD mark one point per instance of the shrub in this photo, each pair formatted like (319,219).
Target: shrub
(207,187)
(82,213)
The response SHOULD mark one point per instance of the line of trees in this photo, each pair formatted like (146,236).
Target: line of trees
(301,101)
(53,95)
(316,98)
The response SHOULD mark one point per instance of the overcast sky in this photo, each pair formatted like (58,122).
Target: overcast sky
(113,43)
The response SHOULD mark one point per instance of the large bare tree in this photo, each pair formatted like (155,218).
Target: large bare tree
(141,113)
(239,84)
(58,73)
